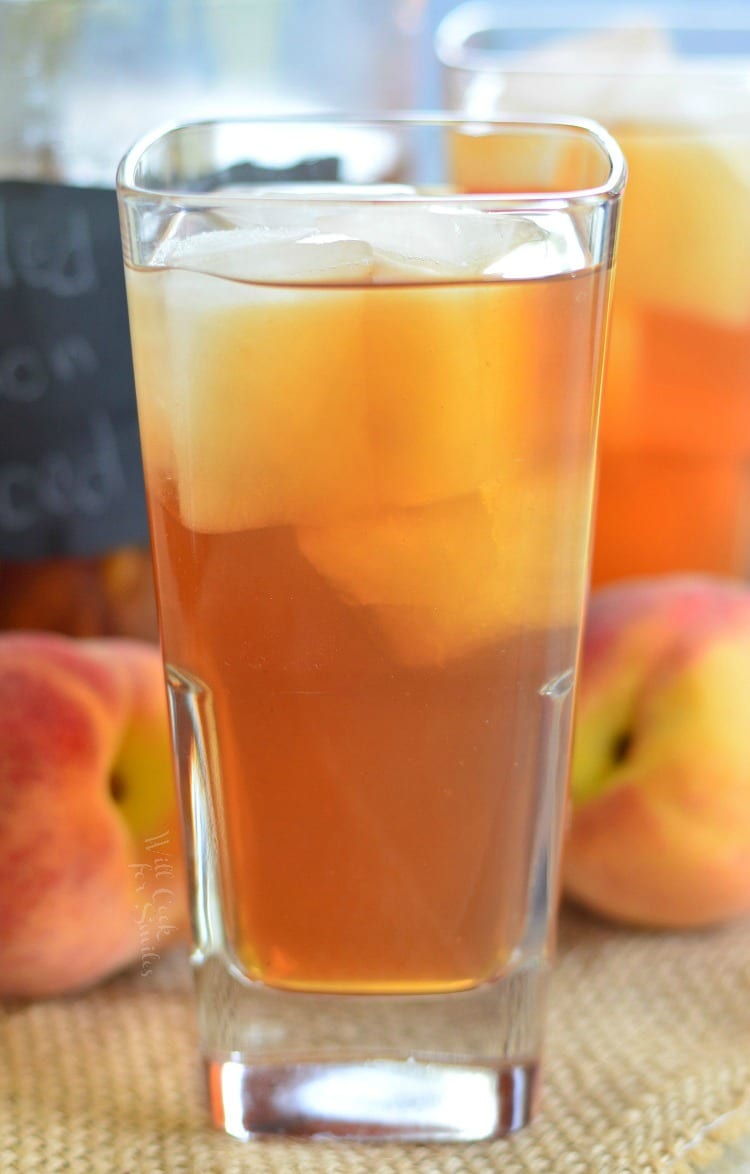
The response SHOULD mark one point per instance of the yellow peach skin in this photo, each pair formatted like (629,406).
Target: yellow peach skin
(660,825)
(91,872)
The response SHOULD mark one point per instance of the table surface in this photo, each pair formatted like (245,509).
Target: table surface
(647,1069)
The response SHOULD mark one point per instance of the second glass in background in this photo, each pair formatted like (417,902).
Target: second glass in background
(674,87)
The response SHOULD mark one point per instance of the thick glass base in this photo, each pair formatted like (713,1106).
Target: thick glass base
(376,1100)
(456,1067)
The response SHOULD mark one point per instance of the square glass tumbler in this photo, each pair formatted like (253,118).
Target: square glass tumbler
(672,82)
(368,407)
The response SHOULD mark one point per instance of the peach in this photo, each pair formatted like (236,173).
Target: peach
(660,825)
(91,873)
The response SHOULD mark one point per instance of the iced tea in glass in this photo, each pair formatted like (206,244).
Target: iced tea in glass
(672,83)
(368,414)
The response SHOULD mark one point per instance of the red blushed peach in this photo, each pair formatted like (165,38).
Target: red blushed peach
(660,787)
(88,813)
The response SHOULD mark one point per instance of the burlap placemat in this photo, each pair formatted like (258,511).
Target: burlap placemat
(648,1069)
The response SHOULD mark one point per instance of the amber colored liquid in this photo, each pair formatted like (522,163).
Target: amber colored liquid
(668,500)
(378,817)
(674,442)
(390,686)
(674,490)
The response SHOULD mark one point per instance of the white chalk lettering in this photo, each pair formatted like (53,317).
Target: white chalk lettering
(72,358)
(19,495)
(60,486)
(24,376)
(100,476)
(26,373)
(58,257)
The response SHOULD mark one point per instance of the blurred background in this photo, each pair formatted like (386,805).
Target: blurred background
(80,80)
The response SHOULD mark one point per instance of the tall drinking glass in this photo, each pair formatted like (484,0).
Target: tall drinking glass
(672,83)
(368,408)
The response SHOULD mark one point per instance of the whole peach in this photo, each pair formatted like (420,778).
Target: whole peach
(660,786)
(91,870)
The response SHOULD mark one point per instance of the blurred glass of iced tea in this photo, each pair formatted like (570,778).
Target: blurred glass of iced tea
(673,84)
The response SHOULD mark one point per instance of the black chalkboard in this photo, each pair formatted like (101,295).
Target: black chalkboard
(71,480)
(317,170)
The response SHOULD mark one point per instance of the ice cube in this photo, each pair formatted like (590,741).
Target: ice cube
(445,372)
(283,254)
(685,238)
(250,398)
(447,579)
(557,248)
(280,406)
(444,241)
(153,363)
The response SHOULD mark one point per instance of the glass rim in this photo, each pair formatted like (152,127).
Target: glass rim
(610,189)
(473,17)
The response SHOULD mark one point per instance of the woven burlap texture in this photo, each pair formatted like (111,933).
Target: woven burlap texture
(648,1069)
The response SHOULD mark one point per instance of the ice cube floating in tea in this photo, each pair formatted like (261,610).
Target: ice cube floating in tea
(364,433)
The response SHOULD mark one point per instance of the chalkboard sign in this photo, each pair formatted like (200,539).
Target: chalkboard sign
(317,170)
(71,481)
